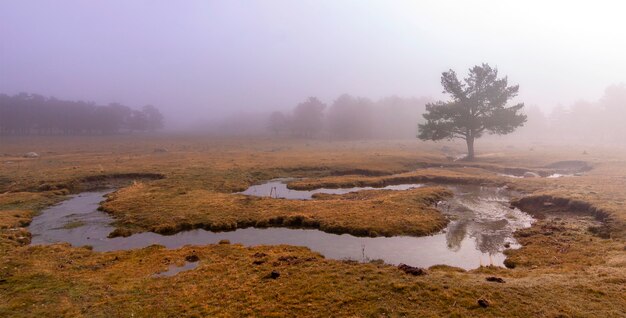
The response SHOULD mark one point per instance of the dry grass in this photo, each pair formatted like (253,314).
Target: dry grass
(563,270)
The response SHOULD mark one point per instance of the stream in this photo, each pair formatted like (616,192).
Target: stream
(482,224)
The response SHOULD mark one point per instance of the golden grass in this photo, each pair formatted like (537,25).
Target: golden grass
(430,175)
(60,281)
(381,213)
(16,212)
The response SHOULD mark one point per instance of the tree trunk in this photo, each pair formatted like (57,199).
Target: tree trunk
(470,149)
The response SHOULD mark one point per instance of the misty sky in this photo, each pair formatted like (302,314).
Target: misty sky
(201,59)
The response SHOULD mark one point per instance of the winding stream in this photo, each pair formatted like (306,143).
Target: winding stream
(481,225)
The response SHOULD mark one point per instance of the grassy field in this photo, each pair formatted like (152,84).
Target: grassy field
(572,263)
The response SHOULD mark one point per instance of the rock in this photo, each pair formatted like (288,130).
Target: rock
(258,262)
(258,255)
(508,263)
(273,275)
(31,155)
(118,232)
(483,303)
(507,245)
(192,258)
(288,259)
(495,279)
(530,174)
(415,271)
(159,150)
(224,242)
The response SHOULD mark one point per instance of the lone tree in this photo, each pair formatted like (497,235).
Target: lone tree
(478,105)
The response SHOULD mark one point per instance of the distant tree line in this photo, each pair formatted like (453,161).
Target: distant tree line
(350,117)
(32,114)
(583,122)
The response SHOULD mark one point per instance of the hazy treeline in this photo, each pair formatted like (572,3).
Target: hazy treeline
(350,117)
(346,117)
(601,121)
(27,114)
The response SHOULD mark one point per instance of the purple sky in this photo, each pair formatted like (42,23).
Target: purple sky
(203,59)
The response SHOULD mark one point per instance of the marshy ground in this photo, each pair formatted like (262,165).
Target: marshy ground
(572,261)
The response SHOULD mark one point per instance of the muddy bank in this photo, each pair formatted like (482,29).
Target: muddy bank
(561,241)
(96,182)
(542,206)
(570,166)
(116,180)
(538,204)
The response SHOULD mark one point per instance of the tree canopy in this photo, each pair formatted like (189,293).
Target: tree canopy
(478,105)
(350,117)
(307,118)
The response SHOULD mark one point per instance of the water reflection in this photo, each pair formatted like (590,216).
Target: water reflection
(477,212)
(455,234)
(174,269)
(483,214)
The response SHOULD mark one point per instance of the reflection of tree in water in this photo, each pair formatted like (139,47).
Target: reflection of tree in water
(490,236)
(457,230)
(478,216)
(456,233)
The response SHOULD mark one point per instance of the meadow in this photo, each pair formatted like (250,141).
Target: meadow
(572,262)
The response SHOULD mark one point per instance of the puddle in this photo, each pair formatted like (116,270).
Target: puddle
(510,176)
(55,223)
(174,269)
(277,188)
(552,176)
(482,224)
(559,175)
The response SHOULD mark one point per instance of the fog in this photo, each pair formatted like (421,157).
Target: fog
(227,66)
